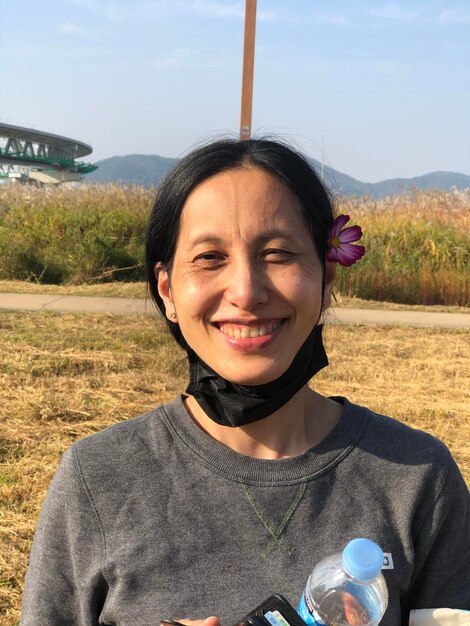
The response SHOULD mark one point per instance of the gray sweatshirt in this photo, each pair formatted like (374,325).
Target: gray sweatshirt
(152,518)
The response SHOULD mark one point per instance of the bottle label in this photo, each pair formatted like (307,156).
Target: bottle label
(308,613)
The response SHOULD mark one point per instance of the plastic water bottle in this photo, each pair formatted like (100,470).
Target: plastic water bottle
(346,589)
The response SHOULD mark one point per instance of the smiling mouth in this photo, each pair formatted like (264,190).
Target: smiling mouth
(238,331)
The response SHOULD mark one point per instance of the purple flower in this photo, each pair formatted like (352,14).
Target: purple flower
(340,246)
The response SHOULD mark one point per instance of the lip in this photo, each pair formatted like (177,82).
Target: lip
(246,344)
(259,321)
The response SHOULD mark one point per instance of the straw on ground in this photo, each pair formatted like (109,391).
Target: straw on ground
(65,376)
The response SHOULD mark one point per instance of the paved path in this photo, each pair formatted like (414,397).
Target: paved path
(137,306)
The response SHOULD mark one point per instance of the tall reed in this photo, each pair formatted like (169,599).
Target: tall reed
(418,249)
(418,243)
(73,235)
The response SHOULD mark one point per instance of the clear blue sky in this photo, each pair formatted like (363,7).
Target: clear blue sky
(387,83)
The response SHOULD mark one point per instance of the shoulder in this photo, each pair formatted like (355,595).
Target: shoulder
(393,436)
(391,445)
(146,426)
(125,446)
(412,465)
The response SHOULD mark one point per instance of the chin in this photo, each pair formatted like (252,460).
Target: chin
(255,379)
(251,371)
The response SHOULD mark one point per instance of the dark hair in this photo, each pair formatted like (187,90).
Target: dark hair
(274,157)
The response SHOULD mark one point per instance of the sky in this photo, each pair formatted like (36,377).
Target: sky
(377,89)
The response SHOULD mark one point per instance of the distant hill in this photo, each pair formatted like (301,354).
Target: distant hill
(134,169)
(434,180)
(343,184)
(148,169)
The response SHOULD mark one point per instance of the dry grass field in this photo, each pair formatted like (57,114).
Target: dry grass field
(65,376)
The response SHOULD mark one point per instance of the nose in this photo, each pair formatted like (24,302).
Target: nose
(247,286)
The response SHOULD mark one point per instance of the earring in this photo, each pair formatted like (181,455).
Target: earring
(173,315)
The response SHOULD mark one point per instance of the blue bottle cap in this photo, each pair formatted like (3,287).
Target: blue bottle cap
(362,559)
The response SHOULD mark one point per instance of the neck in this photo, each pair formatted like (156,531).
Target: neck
(300,424)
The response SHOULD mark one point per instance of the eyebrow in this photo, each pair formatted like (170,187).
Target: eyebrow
(218,241)
(206,239)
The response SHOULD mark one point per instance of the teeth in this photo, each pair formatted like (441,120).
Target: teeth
(249,332)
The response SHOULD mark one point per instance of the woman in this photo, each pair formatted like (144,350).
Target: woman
(234,491)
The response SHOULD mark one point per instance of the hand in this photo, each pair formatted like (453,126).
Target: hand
(209,621)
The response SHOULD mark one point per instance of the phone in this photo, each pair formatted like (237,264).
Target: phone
(274,611)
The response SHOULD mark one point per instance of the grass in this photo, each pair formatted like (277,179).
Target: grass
(418,249)
(76,235)
(418,244)
(65,376)
(116,289)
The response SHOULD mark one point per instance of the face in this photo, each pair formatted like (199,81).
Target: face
(246,280)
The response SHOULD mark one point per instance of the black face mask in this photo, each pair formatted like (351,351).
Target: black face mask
(230,404)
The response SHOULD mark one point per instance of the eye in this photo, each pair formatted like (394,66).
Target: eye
(209,259)
(277,254)
(207,256)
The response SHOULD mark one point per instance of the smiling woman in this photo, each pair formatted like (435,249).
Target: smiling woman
(246,280)
(209,504)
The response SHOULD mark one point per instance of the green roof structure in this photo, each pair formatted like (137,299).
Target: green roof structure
(29,154)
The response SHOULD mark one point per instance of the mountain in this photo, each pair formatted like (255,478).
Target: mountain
(434,180)
(134,169)
(149,169)
(342,184)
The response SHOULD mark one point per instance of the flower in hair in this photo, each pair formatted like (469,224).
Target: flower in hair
(340,242)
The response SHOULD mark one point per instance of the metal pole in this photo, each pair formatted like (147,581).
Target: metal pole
(248,68)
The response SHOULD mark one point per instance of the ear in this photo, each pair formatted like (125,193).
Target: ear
(330,275)
(164,290)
